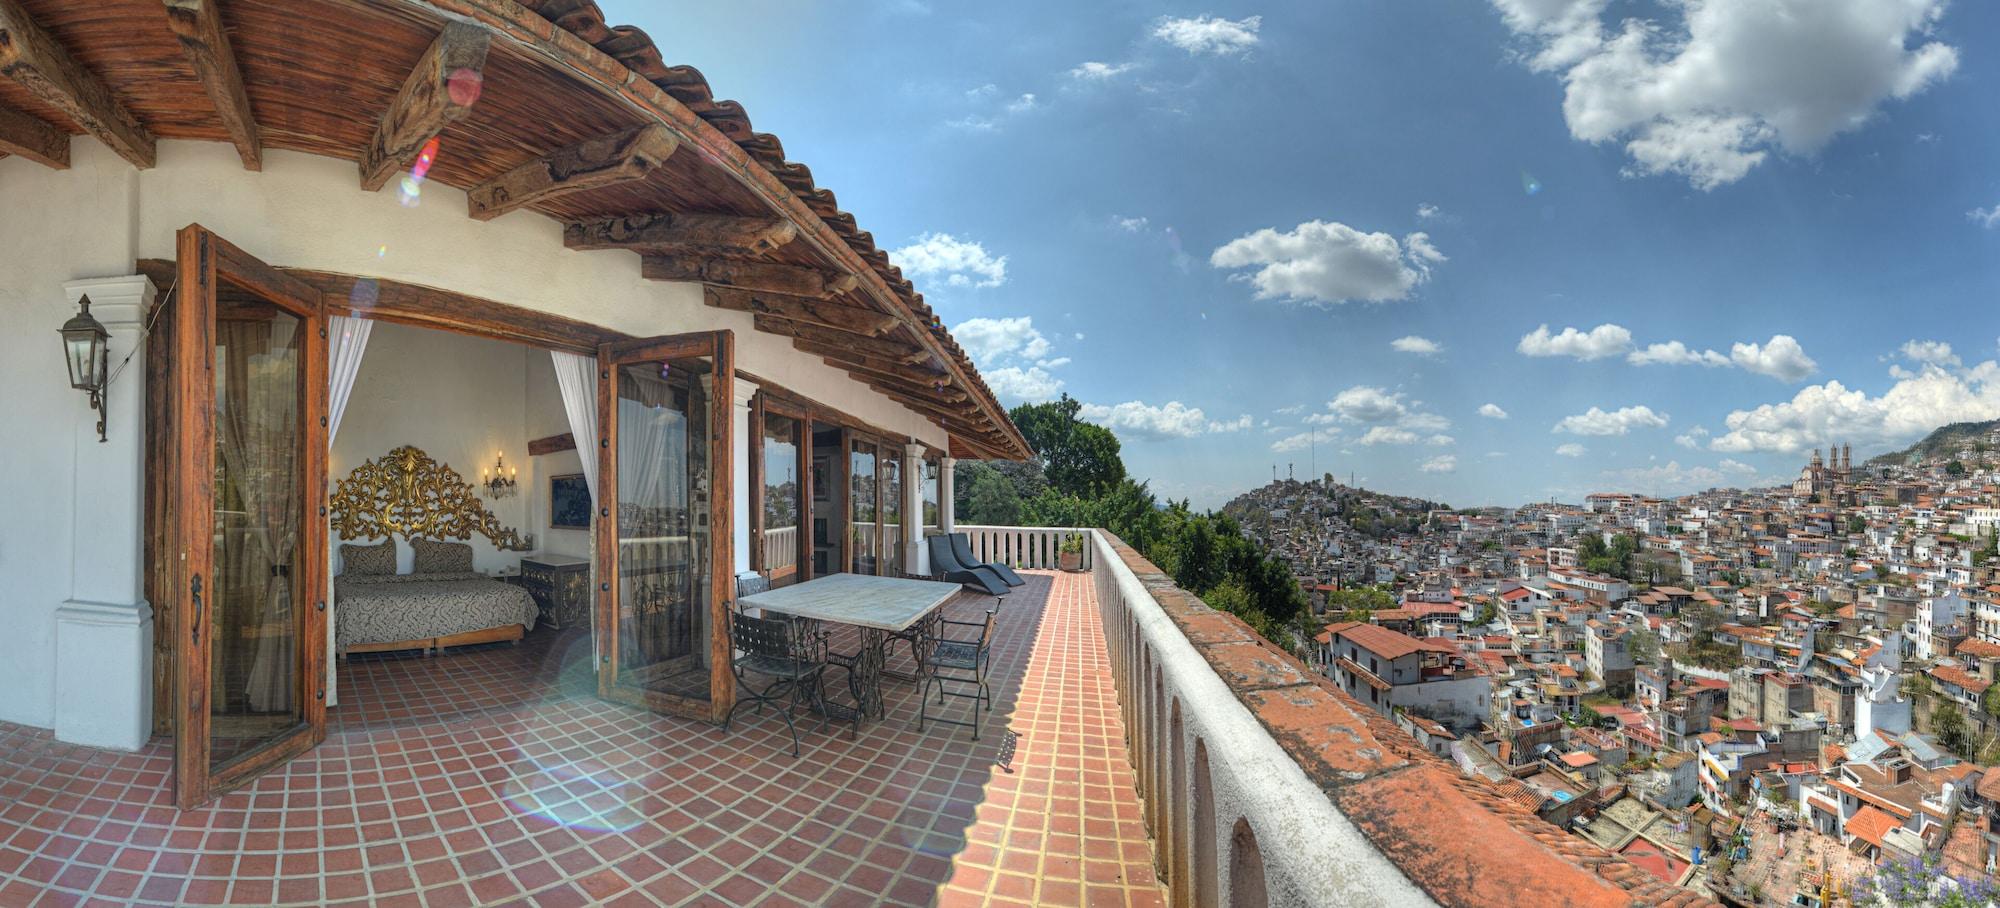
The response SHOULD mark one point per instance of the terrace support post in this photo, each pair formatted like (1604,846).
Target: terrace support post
(104,631)
(915,559)
(947,495)
(749,443)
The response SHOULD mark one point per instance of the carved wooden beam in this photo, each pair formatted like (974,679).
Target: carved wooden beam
(29,56)
(826,313)
(873,346)
(552,444)
(705,234)
(33,139)
(590,164)
(790,280)
(918,375)
(441,88)
(199,26)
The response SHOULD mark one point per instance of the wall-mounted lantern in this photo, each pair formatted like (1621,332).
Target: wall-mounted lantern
(87,348)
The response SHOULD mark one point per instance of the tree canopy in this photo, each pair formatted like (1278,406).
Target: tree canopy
(1079,458)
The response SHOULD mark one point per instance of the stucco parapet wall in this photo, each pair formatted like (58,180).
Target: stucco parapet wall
(1456,837)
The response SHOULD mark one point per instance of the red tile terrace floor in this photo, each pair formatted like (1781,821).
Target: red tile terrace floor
(493,777)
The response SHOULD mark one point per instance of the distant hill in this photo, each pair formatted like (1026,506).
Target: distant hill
(1945,443)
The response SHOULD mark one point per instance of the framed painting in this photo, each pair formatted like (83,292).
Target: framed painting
(569,502)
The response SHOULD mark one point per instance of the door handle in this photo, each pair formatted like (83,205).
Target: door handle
(194,589)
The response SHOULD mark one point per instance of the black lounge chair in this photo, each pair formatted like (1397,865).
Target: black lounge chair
(961,545)
(945,564)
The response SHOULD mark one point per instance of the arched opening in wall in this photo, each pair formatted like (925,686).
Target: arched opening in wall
(1177,821)
(1246,868)
(1203,859)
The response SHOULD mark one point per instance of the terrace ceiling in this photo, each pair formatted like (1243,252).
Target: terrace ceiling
(539,105)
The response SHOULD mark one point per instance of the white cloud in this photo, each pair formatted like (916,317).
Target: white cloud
(1364,403)
(1425,422)
(1492,411)
(1597,343)
(1440,441)
(1422,346)
(1031,385)
(1616,422)
(1675,353)
(1210,34)
(961,263)
(989,118)
(1692,438)
(1129,225)
(1672,478)
(1427,211)
(1830,412)
(1937,353)
(1022,104)
(1710,96)
(1093,71)
(1389,435)
(1443,463)
(1292,410)
(989,340)
(1781,357)
(1735,466)
(1170,420)
(1571,450)
(1330,262)
(1988,218)
(1304,440)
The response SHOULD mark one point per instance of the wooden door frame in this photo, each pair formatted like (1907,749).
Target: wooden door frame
(720,347)
(202,258)
(761,406)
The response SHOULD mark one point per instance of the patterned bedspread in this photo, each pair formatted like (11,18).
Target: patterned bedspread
(390,607)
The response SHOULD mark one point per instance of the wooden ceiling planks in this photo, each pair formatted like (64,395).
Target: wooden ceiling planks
(36,61)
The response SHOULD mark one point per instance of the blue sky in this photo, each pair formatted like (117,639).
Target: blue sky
(1241,208)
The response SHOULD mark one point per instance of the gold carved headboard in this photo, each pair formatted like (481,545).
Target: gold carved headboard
(407,492)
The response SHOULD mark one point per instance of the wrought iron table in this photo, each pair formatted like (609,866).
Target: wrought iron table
(878,607)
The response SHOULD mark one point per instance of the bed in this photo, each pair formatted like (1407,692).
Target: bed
(427,611)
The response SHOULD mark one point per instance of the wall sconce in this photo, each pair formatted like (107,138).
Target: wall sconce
(499,480)
(87,349)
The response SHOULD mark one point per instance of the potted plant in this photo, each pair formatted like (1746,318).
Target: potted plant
(1070,556)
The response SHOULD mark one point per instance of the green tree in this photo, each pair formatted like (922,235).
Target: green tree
(991,500)
(1954,469)
(1949,725)
(1857,524)
(1644,646)
(1080,458)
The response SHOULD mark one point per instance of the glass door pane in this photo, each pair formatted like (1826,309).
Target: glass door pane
(253,599)
(861,516)
(782,501)
(892,513)
(664,537)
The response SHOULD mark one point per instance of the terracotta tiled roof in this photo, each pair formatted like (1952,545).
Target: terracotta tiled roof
(1384,642)
(1869,825)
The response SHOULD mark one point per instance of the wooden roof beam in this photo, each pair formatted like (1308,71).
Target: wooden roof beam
(33,139)
(427,102)
(873,346)
(198,24)
(825,313)
(593,163)
(30,57)
(696,234)
(916,374)
(790,280)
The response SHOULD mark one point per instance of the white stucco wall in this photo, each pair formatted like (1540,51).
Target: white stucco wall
(100,216)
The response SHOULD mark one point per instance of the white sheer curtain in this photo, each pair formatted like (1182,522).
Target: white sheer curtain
(346,339)
(577,377)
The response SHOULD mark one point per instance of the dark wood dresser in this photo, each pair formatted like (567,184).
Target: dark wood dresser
(561,587)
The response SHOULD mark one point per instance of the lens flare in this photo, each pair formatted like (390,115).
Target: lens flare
(1529,184)
(583,795)
(363,294)
(424,158)
(410,191)
(382,251)
(464,86)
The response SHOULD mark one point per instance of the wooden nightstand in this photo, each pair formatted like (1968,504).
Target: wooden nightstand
(561,587)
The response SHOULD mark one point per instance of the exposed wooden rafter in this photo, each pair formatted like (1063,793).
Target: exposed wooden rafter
(885,348)
(33,139)
(700,234)
(441,88)
(791,280)
(590,164)
(30,57)
(826,313)
(849,358)
(198,24)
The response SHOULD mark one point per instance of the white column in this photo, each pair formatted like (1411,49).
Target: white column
(104,631)
(749,444)
(947,494)
(915,559)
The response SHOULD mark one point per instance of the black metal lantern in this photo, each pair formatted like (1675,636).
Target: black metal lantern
(87,349)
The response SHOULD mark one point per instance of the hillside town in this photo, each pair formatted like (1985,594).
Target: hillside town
(1782,695)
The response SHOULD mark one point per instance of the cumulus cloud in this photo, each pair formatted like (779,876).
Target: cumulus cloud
(1210,34)
(1443,463)
(1694,437)
(1170,420)
(1492,411)
(1571,450)
(961,263)
(1303,440)
(1672,478)
(989,340)
(1597,343)
(1129,225)
(1824,413)
(1389,435)
(1708,97)
(1427,211)
(1421,346)
(1615,422)
(1330,262)
(1781,357)
(1094,71)
(1988,218)
(1024,385)
(1936,353)
(1365,403)
(1675,353)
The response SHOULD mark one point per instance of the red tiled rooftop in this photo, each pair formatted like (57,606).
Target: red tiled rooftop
(493,776)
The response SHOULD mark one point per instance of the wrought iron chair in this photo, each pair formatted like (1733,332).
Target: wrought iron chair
(961,546)
(788,652)
(956,661)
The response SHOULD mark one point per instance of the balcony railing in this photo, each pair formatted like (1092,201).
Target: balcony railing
(1265,785)
(1035,548)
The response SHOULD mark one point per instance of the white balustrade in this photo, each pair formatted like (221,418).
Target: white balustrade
(1033,548)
